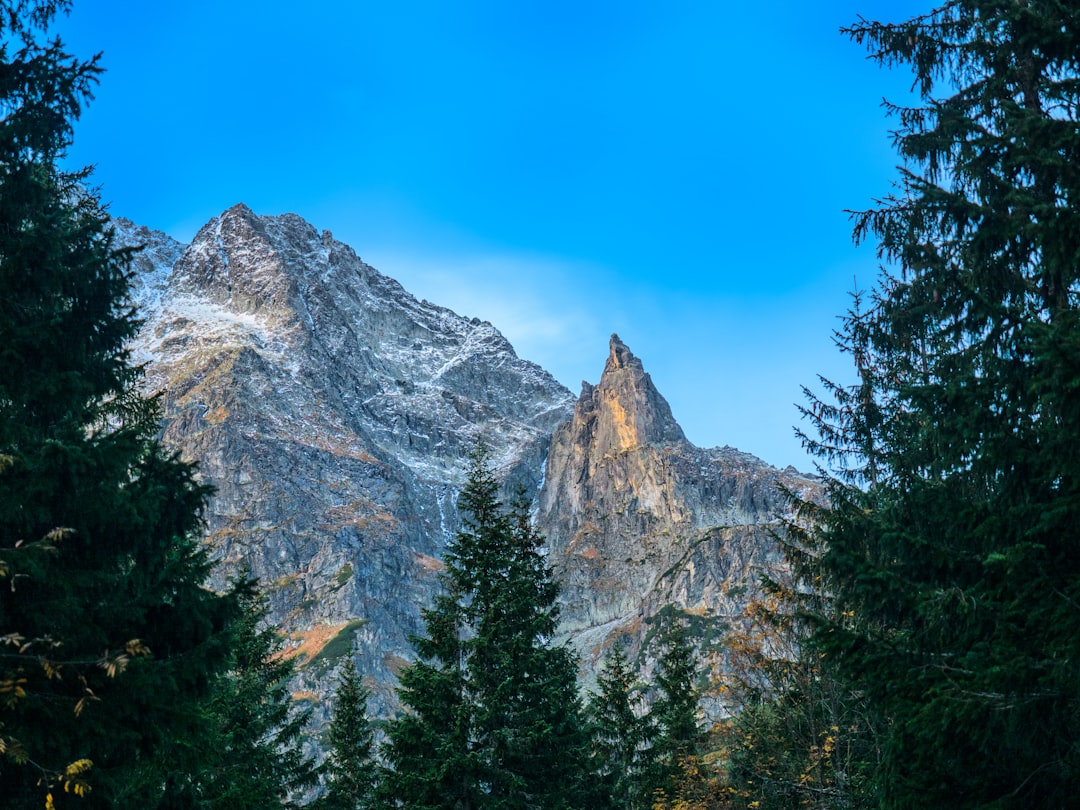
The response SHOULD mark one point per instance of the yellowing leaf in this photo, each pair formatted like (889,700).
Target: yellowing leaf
(52,671)
(114,666)
(135,647)
(78,766)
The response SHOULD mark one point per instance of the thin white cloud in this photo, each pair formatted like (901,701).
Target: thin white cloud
(541,304)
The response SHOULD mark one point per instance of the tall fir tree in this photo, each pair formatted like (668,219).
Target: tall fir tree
(493,718)
(255,731)
(678,739)
(621,735)
(675,711)
(109,641)
(951,545)
(351,771)
(428,748)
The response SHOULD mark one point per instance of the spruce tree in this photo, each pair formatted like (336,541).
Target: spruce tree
(493,717)
(951,545)
(256,733)
(108,640)
(678,740)
(621,736)
(428,750)
(350,770)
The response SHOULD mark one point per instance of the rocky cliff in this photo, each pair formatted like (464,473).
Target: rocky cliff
(334,413)
(640,521)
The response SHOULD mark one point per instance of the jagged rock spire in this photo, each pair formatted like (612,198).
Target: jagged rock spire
(625,409)
(604,455)
(636,517)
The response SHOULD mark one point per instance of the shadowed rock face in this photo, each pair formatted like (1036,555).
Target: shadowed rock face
(334,413)
(637,518)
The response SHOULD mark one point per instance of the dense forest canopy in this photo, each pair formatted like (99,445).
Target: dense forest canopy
(109,639)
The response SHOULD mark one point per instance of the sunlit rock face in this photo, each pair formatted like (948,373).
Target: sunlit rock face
(638,519)
(333,413)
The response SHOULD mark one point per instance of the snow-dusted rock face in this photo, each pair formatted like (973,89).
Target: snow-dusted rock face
(638,519)
(333,413)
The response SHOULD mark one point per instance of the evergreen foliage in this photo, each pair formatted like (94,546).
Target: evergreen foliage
(621,736)
(677,777)
(951,544)
(799,736)
(675,712)
(351,772)
(253,729)
(108,641)
(493,716)
(428,748)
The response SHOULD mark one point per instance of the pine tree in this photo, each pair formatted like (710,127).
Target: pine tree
(951,545)
(681,780)
(429,752)
(494,719)
(621,736)
(351,772)
(107,638)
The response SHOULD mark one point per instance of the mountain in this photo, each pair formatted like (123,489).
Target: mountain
(334,413)
(641,522)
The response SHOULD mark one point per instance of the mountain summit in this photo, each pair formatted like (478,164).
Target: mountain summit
(333,413)
(638,519)
(625,410)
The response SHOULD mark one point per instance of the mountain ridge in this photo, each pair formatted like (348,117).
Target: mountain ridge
(334,413)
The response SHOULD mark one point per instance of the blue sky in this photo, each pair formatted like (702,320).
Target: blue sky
(673,172)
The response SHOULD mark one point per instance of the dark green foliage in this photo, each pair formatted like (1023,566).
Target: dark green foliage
(679,737)
(799,736)
(675,711)
(493,717)
(349,767)
(951,546)
(621,736)
(428,748)
(254,731)
(109,640)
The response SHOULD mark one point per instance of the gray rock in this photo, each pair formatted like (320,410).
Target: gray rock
(334,413)
(639,521)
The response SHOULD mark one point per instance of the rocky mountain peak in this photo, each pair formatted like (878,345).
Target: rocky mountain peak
(249,264)
(333,413)
(619,355)
(639,520)
(624,410)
